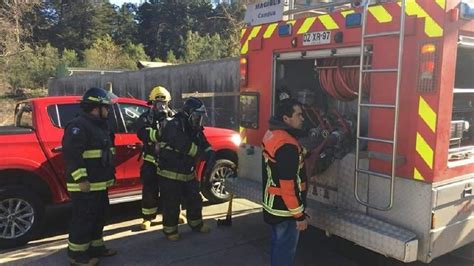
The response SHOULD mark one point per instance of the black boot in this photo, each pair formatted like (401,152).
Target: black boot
(102,251)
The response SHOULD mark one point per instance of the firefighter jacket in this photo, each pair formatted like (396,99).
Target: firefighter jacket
(180,148)
(284,177)
(88,150)
(149,130)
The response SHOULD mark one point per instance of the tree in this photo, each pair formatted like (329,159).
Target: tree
(43,65)
(199,47)
(125,27)
(33,67)
(75,25)
(162,25)
(69,58)
(171,58)
(105,54)
(12,33)
(133,53)
(228,22)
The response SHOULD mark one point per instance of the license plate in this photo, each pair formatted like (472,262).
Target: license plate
(317,38)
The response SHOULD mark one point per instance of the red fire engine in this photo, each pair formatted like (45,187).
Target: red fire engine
(393,82)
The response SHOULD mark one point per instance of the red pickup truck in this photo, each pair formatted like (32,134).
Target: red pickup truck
(32,174)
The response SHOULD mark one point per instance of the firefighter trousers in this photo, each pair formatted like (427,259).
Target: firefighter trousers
(176,193)
(150,191)
(89,212)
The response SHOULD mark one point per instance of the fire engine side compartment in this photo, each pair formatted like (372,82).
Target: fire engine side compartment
(453,216)
(449,224)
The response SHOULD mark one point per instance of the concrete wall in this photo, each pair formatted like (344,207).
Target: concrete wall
(219,76)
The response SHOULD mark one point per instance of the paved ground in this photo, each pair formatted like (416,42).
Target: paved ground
(245,243)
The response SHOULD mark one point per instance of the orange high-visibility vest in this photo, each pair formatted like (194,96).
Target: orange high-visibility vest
(281,197)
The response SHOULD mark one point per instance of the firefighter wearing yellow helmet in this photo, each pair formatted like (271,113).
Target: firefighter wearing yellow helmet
(148,131)
(159,93)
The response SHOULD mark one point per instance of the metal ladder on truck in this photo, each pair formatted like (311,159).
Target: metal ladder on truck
(395,107)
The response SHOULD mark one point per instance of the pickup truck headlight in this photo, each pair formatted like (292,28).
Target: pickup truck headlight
(236,139)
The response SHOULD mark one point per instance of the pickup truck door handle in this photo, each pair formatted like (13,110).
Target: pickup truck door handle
(134,146)
(57,149)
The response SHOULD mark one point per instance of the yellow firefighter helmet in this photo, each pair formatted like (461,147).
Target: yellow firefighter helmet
(160,93)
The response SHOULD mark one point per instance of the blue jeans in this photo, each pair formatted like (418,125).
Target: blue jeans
(284,242)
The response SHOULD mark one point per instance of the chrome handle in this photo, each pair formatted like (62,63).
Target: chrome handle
(467,192)
(57,149)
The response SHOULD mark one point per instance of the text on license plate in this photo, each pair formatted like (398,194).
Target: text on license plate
(317,37)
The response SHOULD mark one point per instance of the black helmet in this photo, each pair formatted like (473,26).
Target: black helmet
(96,96)
(195,110)
(194,105)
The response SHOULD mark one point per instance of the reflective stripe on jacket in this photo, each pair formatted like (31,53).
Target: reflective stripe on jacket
(180,149)
(283,195)
(88,151)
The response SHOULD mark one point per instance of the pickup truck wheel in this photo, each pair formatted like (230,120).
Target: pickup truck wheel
(21,216)
(213,187)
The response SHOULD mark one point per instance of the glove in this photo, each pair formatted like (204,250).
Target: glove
(85,186)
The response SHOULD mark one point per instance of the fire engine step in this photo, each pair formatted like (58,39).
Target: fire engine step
(369,232)
(366,231)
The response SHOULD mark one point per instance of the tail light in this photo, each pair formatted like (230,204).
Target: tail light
(243,72)
(427,68)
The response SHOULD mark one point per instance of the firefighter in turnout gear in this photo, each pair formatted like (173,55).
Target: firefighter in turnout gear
(148,130)
(88,150)
(182,143)
(284,181)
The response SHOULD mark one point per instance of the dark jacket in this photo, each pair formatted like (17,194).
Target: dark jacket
(284,177)
(149,126)
(88,151)
(180,148)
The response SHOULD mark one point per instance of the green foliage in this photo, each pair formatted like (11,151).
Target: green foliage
(205,47)
(69,58)
(40,39)
(171,58)
(74,25)
(33,67)
(228,22)
(163,25)
(126,28)
(133,53)
(105,54)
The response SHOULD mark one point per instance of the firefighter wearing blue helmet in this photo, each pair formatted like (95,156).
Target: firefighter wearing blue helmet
(88,151)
